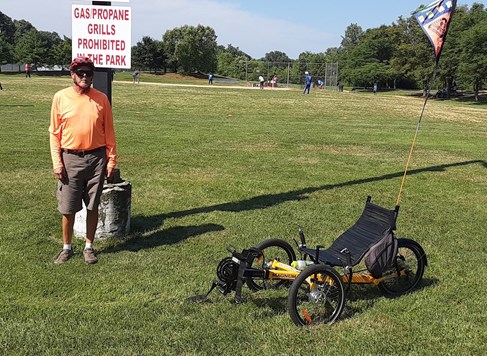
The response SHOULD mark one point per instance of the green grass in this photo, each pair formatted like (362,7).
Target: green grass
(212,167)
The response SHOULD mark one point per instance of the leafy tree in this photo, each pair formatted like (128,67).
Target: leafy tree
(191,48)
(369,60)
(473,58)
(233,62)
(21,28)
(450,57)
(276,56)
(413,60)
(32,48)
(226,64)
(149,53)
(332,55)
(352,36)
(276,64)
(51,40)
(37,47)
(315,63)
(233,51)
(255,69)
(405,62)
(7,32)
(196,52)
(160,57)
(7,28)
(5,50)
(350,39)
(61,52)
(171,40)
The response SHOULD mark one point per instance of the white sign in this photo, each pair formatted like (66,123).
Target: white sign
(102,33)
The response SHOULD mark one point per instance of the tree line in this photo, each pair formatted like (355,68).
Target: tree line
(394,56)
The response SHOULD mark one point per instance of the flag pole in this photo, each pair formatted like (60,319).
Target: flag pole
(434,20)
(428,89)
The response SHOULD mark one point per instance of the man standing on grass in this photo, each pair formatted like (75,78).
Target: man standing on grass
(308,82)
(83,151)
(27,70)
(261,82)
(136,77)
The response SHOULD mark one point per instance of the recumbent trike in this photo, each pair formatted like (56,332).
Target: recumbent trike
(317,292)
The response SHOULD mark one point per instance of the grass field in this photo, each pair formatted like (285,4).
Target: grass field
(212,167)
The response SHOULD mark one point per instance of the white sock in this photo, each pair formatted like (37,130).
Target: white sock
(66,246)
(88,245)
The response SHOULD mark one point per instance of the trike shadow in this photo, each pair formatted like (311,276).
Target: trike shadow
(358,300)
(270,200)
(168,236)
(361,298)
(141,224)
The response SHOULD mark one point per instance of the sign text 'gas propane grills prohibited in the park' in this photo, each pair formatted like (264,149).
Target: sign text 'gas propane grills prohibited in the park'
(102,33)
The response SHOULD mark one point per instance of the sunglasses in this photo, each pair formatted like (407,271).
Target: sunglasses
(81,73)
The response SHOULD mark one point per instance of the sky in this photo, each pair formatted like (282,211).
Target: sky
(256,27)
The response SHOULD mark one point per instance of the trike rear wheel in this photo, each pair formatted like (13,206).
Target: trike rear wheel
(408,272)
(316,296)
(271,249)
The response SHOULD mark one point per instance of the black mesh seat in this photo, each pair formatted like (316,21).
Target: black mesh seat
(370,228)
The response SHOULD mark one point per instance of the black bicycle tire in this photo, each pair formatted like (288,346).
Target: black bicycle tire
(413,246)
(296,285)
(274,242)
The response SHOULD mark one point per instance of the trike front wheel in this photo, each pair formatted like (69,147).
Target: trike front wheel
(316,296)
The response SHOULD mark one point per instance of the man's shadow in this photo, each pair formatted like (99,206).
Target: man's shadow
(171,235)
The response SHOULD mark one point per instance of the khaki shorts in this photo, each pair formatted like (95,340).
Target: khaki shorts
(84,182)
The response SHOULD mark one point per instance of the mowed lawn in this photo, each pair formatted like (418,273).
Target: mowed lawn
(212,167)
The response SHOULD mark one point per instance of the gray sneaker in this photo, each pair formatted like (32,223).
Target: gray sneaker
(90,256)
(63,256)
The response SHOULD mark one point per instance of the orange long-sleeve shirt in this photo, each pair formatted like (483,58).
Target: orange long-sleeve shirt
(81,122)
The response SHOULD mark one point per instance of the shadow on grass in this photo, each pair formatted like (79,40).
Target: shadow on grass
(367,296)
(275,305)
(176,234)
(269,200)
(168,236)
(468,97)
(358,299)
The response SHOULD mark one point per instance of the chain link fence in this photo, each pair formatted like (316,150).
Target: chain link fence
(287,73)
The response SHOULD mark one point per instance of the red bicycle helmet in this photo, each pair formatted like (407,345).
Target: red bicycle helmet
(81,61)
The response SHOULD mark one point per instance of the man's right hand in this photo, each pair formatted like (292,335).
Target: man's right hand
(60,173)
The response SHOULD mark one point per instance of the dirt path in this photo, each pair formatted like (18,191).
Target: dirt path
(216,86)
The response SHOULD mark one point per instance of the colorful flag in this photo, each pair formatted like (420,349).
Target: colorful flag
(435,19)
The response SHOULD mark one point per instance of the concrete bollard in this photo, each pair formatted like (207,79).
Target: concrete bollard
(113,212)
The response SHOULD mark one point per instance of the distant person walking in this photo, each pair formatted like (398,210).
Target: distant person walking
(274,81)
(261,82)
(27,70)
(83,152)
(308,80)
(375,88)
(210,79)
(136,77)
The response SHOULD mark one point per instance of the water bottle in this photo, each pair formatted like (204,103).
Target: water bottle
(301,264)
